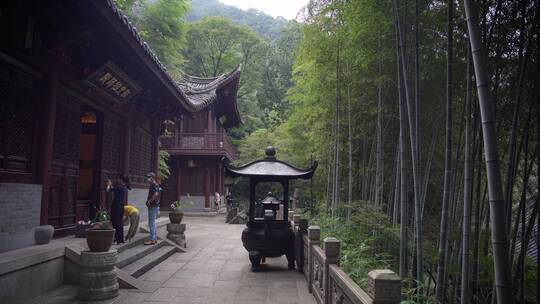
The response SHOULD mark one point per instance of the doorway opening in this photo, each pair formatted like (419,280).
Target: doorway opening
(88,174)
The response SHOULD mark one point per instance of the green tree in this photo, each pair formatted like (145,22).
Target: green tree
(161,24)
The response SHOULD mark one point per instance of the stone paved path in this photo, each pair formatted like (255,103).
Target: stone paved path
(216,270)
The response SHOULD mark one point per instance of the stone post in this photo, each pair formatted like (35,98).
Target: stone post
(332,251)
(98,279)
(314,238)
(299,241)
(175,233)
(384,286)
(303,225)
(296,219)
(291,215)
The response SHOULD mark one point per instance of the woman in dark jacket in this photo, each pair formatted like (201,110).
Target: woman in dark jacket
(120,191)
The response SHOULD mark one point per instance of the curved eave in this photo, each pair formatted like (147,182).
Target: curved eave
(220,91)
(273,169)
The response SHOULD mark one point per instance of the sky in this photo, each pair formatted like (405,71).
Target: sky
(284,8)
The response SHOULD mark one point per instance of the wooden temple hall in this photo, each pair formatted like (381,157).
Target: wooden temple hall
(83,99)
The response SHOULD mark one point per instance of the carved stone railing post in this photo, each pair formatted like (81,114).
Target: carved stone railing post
(291,215)
(314,238)
(384,286)
(332,250)
(299,246)
(296,219)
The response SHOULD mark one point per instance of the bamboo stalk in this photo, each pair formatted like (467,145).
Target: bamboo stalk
(443,237)
(499,236)
(467,185)
(412,137)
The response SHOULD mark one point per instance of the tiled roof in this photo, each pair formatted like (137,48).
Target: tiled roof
(202,92)
(270,167)
(194,93)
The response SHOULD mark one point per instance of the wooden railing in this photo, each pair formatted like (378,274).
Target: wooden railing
(328,283)
(201,143)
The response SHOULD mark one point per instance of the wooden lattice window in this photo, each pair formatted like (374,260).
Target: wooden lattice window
(111,147)
(18,102)
(140,155)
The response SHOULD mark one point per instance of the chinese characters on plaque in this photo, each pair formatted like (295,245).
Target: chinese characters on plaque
(111,80)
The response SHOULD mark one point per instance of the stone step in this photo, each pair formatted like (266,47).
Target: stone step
(136,241)
(145,263)
(134,253)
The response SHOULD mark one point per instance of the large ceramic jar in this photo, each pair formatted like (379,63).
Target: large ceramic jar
(99,240)
(176,216)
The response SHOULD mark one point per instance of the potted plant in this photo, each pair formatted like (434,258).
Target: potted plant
(176,214)
(80,229)
(100,237)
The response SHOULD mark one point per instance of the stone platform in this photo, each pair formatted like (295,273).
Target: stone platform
(214,270)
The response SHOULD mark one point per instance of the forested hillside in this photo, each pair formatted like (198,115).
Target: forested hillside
(215,45)
(266,26)
(424,117)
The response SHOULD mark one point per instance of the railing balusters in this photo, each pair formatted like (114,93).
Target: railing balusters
(208,142)
(329,284)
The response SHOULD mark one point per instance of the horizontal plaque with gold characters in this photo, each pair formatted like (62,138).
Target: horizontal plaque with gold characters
(111,80)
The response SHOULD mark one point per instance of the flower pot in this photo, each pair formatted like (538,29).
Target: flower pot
(176,217)
(99,240)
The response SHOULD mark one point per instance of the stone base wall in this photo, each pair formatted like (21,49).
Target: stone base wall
(20,209)
(198,203)
(22,285)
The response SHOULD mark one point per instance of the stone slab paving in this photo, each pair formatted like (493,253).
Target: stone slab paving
(214,270)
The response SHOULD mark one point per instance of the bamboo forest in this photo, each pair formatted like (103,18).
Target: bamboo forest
(421,118)
(424,117)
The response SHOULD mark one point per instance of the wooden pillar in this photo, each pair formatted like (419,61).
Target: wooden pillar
(47,139)
(285,184)
(178,180)
(181,127)
(126,142)
(220,178)
(155,131)
(252,185)
(209,121)
(206,187)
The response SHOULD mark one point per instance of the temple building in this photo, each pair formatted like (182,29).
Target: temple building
(83,99)
(198,143)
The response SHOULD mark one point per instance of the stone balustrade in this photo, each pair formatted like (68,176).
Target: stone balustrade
(328,283)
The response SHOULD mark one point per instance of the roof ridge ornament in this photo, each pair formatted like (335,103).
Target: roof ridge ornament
(270,152)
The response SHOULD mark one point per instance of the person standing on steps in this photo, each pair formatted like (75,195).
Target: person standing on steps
(120,191)
(154,195)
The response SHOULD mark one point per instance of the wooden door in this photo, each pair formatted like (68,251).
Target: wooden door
(111,151)
(65,163)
